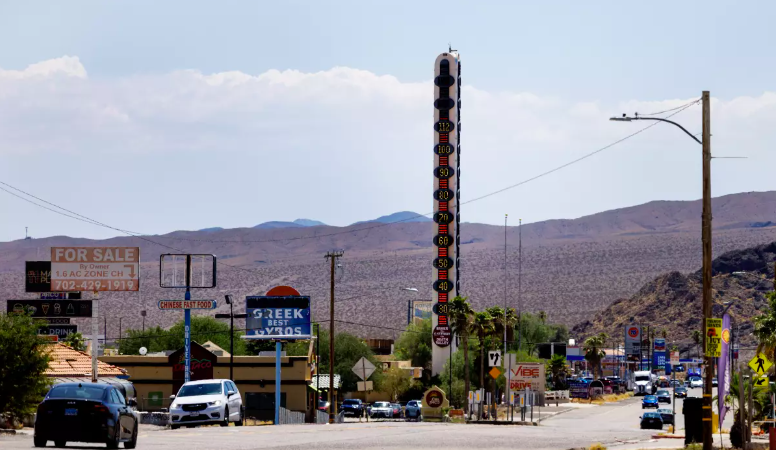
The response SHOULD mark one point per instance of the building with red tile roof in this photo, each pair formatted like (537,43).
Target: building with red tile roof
(66,362)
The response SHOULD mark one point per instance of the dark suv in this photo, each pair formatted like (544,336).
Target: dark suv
(352,407)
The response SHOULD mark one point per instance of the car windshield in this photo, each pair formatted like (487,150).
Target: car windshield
(665,411)
(350,402)
(190,390)
(695,378)
(649,398)
(642,378)
(681,389)
(85,392)
(382,405)
(651,415)
(662,392)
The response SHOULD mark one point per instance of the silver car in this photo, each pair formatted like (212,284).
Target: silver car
(381,409)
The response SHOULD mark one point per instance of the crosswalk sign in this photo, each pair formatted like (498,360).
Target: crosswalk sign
(760,381)
(760,364)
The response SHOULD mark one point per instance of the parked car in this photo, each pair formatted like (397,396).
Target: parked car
(352,407)
(413,410)
(696,382)
(381,409)
(398,412)
(663,396)
(206,401)
(667,415)
(676,383)
(86,412)
(323,405)
(649,401)
(714,382)
(680,392)
(651,420)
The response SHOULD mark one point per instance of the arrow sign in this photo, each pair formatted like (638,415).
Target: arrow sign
(760,382)
(363,368)
(131,270)
(494,358)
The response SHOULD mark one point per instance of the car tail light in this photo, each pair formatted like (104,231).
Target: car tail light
(99,408)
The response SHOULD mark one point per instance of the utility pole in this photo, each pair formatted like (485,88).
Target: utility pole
(332,257)
(231,316)
(706,271)
(519,280)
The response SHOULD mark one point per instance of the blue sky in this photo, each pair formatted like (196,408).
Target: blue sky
(164,105)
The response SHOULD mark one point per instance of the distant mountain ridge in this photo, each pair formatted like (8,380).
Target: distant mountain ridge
(298,223)
(398,217)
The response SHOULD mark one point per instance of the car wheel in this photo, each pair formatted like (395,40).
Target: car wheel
(225,422)
(132,443)
(174,427)
(239,422)
(60,443)
(113,442)
(39,441)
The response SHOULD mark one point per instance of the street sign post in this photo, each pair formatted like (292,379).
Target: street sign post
(364,368)
(760,381)
(95,268)
(494,372)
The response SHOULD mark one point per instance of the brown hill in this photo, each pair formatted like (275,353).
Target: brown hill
(673,301)
(571,268)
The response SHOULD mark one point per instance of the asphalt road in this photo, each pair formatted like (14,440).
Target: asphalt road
(615,425)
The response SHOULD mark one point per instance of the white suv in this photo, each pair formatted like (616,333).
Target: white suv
(206,401)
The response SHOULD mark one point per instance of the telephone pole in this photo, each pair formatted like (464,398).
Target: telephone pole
(332,257)
(706,240)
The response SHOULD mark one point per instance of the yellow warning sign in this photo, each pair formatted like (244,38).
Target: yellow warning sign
(760,381)
(713,337)
(760,364)
(495,372)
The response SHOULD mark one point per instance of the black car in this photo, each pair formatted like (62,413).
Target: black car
(86,412)
(667,415)
(651,420)
(352,407)
(663,396)
(680,392)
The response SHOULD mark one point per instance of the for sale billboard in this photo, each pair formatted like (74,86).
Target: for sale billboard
(632,341)
(95,268)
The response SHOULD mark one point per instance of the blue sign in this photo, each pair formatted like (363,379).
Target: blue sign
(579,389)
(278,316)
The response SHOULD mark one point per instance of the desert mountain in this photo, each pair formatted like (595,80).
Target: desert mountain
(295,224)
(672,301)
(571,268)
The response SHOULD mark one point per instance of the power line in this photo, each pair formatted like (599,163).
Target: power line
(694,102)
(214,241)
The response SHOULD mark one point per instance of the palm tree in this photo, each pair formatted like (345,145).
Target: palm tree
(460,315)
(559,369)
(594,353)
(765,328)
(499,322)
(482,326)
(697,337)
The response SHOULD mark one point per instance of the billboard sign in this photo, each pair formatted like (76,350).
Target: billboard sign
(659,352)
(95,268)
(632,340)
(524,375)
(186,304)
(713,337)
(51,308)
(579,389)
(61,331)
(278,316)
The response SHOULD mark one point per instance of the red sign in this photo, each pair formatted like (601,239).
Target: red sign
(633,332)
(434,399)
(442,335)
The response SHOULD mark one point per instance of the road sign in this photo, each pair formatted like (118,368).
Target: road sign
(440,308)
(95,268)
(186,304)
(278,316)
(51,308)
(495,372)
(365,385)
(58,330)
(760,364)
(713,337)
(674,358)
(442,335)
(494,358)
(364,368)
(760,381)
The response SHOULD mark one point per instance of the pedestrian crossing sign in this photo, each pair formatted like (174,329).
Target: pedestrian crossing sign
(760,381)
(760,364)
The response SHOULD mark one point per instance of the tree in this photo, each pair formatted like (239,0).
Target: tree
(396,382)
(415,344)
(765,327)
(594,353)
(460,315)
(559,370)
(23,362)
(203,329)
(482,324)
(75,341)
(348,349)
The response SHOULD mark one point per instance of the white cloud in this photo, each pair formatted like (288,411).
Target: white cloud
(271,139)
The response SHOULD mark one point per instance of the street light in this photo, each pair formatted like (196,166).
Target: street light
(706,244)
(409,302)
(231,316)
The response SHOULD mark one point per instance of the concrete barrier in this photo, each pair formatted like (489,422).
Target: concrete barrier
(154,418)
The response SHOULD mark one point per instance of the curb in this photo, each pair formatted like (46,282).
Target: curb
(667,436)
(7,431)
(503,422)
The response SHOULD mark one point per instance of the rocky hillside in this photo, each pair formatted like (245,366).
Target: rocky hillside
(673,301)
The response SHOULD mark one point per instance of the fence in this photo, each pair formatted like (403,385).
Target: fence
(323,417)
(290,417)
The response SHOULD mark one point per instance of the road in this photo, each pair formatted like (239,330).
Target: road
(616,425)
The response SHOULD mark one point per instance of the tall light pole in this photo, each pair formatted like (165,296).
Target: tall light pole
(706,244)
